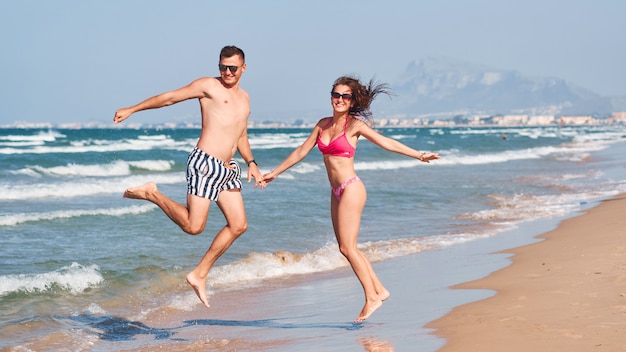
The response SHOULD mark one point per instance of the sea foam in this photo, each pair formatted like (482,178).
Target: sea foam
(75,279)
(19,218)
(257,267)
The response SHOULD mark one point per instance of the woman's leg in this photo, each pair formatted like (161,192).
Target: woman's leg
(346,217)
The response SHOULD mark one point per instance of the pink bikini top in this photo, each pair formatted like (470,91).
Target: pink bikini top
(338,146)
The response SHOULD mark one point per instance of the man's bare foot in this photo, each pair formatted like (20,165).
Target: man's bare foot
(368,310)
(141,192)
(198,285)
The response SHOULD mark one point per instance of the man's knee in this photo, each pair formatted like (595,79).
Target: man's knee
(239,227)
(193,228)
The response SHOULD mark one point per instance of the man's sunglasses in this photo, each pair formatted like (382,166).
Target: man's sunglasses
(232,69)
(345,96)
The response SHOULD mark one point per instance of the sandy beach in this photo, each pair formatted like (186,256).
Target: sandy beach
(564,293)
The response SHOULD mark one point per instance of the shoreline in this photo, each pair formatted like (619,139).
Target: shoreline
(315,312)
(563,293)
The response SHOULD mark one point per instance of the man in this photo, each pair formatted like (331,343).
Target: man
(212,173)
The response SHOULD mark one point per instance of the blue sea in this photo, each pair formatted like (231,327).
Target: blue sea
(72,250)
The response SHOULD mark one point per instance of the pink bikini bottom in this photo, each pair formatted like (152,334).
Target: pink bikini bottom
(339,190)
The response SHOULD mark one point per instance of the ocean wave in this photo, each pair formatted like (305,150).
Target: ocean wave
(589,134)
(397,135)
(533,133)
(520,208)
(21,144)
(106,146)
(75,279)
(152,165)
(387,164)
(257,267)
(156,137)
(42,136)
(277,140)
(19,218)
(85,187)
(570,152)
(116,168)
(600,137)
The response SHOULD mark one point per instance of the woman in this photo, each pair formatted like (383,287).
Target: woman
(337,137)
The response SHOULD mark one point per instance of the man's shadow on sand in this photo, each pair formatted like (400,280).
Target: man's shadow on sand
(112,328)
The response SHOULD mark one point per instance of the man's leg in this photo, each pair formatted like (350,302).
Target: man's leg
(231,204)
(191,219)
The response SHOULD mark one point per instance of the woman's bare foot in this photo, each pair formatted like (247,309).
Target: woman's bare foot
(141,192)
(198,285)
(384,295)
(368,310)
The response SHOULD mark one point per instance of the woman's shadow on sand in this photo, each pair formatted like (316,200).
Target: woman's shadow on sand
(112,328)
(272,323)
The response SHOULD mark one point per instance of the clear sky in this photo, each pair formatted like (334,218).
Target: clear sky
(73,61)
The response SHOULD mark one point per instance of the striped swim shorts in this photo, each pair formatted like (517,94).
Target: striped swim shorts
(208,176)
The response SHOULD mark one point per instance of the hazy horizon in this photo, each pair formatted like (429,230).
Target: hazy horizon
(71,61)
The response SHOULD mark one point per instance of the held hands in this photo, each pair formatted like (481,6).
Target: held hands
(427,157)
(253,171)
(267,178)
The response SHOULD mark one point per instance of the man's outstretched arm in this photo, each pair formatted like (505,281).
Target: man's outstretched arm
(195,89)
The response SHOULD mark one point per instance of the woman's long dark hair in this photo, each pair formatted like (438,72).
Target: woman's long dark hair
(362,96)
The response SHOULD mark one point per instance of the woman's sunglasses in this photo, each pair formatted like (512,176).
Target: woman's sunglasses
(345,96)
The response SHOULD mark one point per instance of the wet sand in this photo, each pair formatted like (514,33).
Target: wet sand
(564,293)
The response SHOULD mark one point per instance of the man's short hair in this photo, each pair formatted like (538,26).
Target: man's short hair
(230,51)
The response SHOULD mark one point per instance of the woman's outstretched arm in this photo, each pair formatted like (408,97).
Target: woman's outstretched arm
(393,145)
(295,157)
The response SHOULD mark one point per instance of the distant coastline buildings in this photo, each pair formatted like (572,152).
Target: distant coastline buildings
(474,121)
(388,122)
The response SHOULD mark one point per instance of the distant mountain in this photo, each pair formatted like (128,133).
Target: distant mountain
(435,86)
(619,103)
